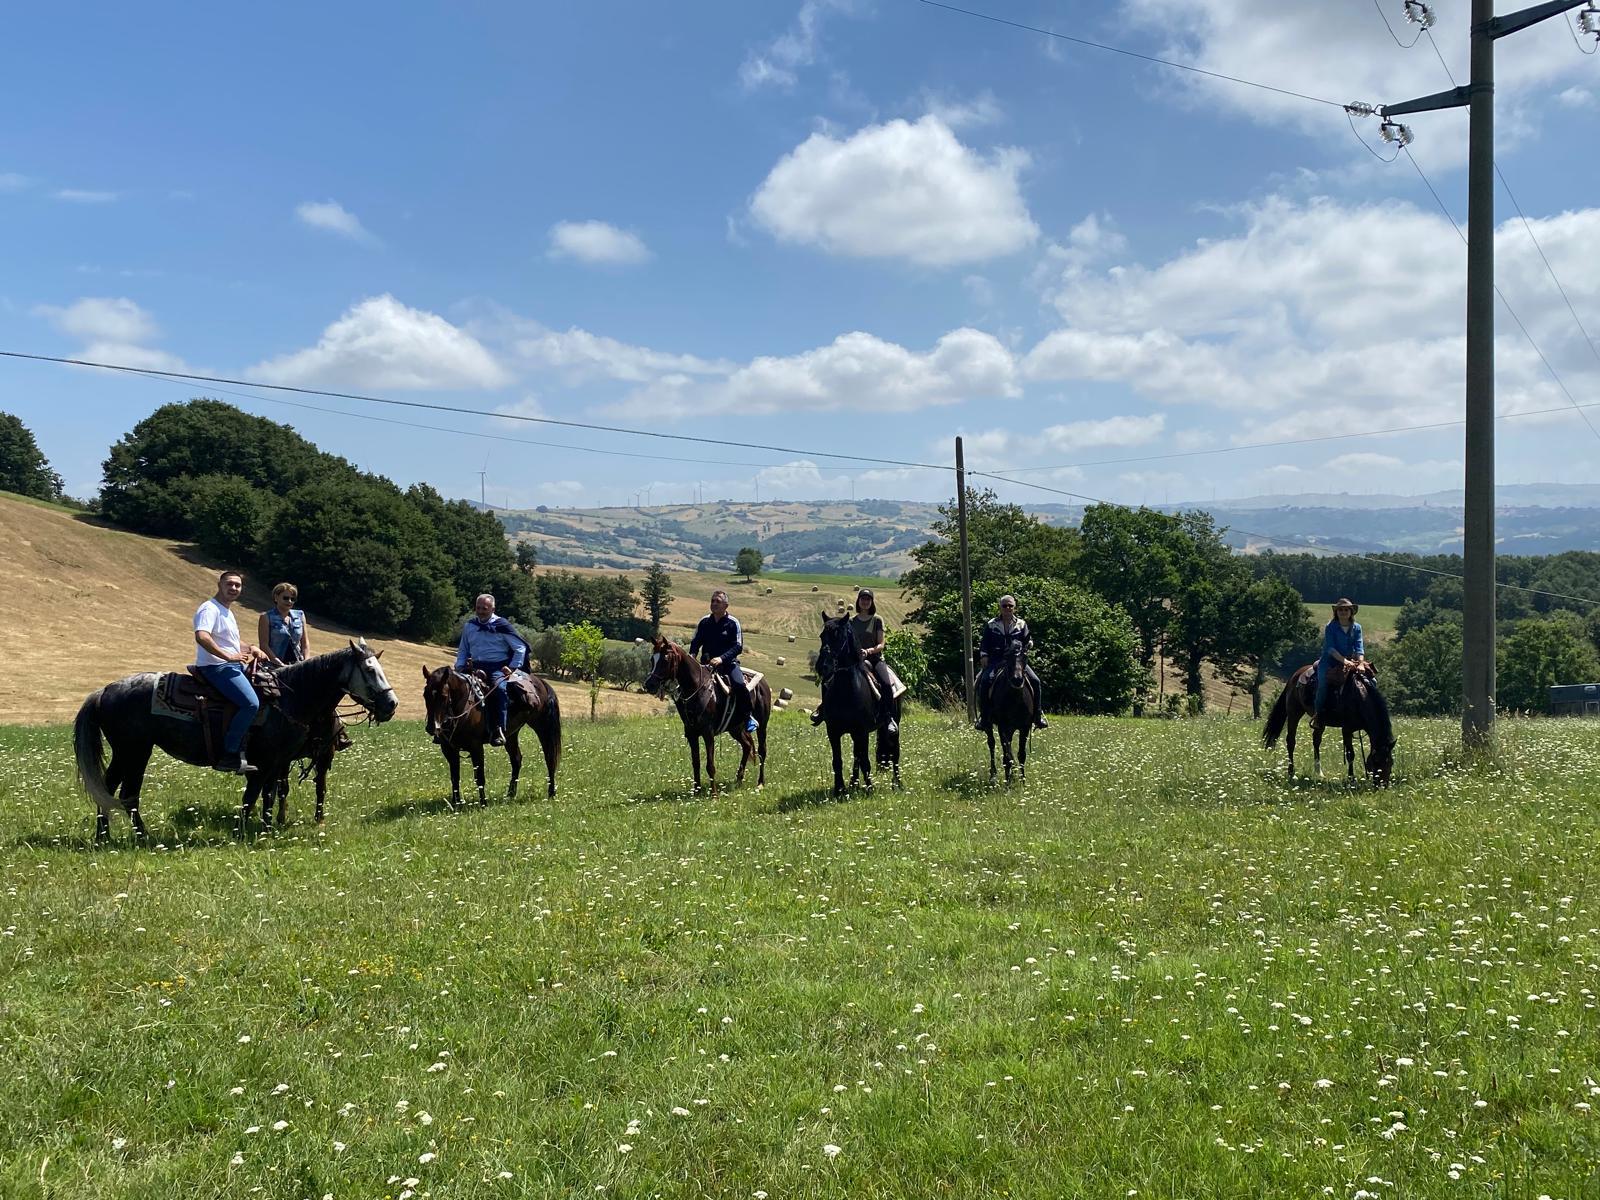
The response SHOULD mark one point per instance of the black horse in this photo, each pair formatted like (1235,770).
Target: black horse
(1355,704)
(310,692)
(851,705)
(457,721)
(1012,709)
(706,712)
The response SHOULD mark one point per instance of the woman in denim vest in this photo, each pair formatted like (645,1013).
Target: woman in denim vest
(282,629)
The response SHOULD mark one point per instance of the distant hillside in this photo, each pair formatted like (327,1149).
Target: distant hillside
(86,604)
(875,537)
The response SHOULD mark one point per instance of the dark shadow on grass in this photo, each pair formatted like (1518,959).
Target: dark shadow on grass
(969,785)
(816,797)
(431,806)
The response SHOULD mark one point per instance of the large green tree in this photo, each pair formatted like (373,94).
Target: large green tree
(656,594)
(1261,621)
(1539,653)
(1130,557)
(1420,673)
(23,467)
(1002,541)
(1083,647)
(748,562)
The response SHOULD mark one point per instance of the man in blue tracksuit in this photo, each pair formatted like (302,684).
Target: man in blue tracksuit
(490,644)
(718,641)
(1342,644)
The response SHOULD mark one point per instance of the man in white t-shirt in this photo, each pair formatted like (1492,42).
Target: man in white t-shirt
(221,658)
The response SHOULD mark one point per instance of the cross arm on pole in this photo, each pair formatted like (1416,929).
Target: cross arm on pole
(1499,27)
(1454,98)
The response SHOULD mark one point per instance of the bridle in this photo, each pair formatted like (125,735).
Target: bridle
(682,695)
(446,725)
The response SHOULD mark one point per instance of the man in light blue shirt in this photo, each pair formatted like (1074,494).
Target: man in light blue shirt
(490,644)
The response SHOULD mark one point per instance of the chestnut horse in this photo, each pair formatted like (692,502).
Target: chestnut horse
(1355,703)
(457,722)
(707,711)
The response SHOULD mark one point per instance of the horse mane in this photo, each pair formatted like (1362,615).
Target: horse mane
(295,679)
(1382,727)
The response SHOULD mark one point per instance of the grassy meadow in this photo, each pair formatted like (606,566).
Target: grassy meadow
(1154,969)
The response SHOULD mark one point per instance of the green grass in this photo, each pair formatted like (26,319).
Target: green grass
(1377,620)
(1156,967)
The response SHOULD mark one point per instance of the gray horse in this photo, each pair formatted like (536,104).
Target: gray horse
(310,691)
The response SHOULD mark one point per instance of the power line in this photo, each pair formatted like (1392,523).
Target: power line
(473,412)
(1296,542)
(1150,58)
(158,377)
(1511,312)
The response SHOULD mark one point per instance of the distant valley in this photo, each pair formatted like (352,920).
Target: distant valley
(875,537)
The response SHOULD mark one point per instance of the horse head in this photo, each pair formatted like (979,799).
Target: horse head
(837,649)
(366,683)
(665,657)
(1016,674)
(1380,763)
(445,696)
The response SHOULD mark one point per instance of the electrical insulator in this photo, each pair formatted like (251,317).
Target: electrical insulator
(1360,108)
(1419,13)
(1589,20)
(1393,131)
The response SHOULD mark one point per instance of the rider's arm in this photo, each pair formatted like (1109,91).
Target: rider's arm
(699,636)
(264,636)
(461,652)
(305,639)
(737,648)
(519,652)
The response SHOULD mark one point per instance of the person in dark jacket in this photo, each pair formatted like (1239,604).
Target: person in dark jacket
(998,635)
(718,641)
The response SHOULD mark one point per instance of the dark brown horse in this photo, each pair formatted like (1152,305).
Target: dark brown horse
(457,722)
(1355,704)
(707,711)
(319,750)
(852,707)
(1012,708)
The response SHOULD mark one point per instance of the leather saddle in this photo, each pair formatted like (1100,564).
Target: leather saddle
(522,689)
(187,696)
(751,678)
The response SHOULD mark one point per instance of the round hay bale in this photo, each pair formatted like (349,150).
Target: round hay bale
(791,639)
(785,695)
(813,587)
(780,660)
(769,591)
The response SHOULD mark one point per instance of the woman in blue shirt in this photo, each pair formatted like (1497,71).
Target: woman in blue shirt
(282,628)
(1341,644)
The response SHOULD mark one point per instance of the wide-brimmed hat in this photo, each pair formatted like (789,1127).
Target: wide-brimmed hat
(1346,602)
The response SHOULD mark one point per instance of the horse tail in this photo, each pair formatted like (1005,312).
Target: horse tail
(1278,717)
(550,733)
(89,750)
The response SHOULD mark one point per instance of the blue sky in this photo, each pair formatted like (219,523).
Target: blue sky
(837,226)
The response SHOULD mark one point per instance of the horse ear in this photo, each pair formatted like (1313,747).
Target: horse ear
(824,616)
(379,654)
(425,674)
(353,645)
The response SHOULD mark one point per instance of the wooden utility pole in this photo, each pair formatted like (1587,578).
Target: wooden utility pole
(966,585)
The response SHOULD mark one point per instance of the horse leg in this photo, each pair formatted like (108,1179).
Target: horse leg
(514,753)
(1288,739)
(453,757)
(131,774)
(283,796)
(1316,746)
(694,759)
(747,747)
(1350,754)
(990,732)
(1022,751)
(322,782)
(477,774)
(761,753)
(253,788)
(862,741)
(711,762)
(838,762)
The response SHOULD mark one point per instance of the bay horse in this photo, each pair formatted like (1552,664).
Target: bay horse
(1356,704)
(309,694)
(851,705)
(1012,707)
(458,722)
(319,750)
(706,711)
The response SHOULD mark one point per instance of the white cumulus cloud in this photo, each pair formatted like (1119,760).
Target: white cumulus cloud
(332,217)
(112,329)
(382,343)
(84,196)
(902,189)
(777,64)
(596,242)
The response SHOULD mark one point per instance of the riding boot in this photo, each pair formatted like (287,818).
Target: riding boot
(341,739)
(233,763)
(891,726)
(817,716)
(497,736)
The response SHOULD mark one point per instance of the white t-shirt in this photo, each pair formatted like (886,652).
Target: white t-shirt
(224,630)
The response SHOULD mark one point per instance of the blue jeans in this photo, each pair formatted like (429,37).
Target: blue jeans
(228,678)
(1324,666)
(498,700)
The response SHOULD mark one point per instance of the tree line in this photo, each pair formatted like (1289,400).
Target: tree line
(1104,600)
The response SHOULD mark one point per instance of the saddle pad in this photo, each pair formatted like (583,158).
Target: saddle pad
(751,678)
(179,695)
